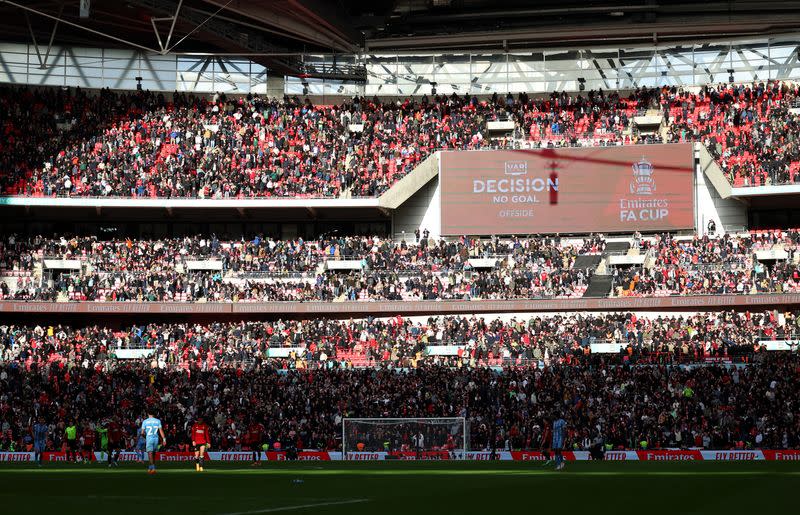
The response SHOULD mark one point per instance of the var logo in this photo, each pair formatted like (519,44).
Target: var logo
(516,167)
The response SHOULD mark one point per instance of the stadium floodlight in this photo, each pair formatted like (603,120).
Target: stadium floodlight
(404,438)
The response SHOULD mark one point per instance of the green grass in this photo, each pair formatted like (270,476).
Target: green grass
(384,488)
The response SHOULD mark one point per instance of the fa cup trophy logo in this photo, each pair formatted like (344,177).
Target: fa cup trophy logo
(643,182)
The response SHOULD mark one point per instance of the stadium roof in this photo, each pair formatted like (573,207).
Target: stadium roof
(479,24)
(275,32)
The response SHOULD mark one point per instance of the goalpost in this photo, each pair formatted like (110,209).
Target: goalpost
(408,438)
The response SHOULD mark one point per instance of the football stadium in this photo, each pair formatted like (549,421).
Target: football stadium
(442,256)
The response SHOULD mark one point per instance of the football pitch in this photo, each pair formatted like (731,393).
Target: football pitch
(383,488)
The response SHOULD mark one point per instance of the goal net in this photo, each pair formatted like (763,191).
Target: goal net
(404,438)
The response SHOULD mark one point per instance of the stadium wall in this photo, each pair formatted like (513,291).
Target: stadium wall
(729,215)
(421,211)
(712,197)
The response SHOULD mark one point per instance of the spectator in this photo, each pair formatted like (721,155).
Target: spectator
(70,143)
(628,407)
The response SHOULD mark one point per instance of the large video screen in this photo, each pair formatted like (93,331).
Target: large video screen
(575,190)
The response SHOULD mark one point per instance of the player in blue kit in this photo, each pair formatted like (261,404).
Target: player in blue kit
(559,432)
(153,434)
(40,431)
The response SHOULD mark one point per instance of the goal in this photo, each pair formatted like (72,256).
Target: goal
(404,438)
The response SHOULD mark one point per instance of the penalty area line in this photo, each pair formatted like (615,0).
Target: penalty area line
(296,507)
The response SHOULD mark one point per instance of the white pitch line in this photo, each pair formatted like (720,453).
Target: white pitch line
(296,507)
(147,497)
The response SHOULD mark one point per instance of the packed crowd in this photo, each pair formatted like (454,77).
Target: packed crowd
(750,129)
(705,265)
(402,342)
(263,269)
(261,254)
(718,407)
(145,145)
(142,144)
(209,269)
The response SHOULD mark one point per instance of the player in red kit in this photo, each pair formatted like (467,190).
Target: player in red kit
(255,436)
(115,437)
(545,443)
(201,438)
(88,444)
(450,446)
